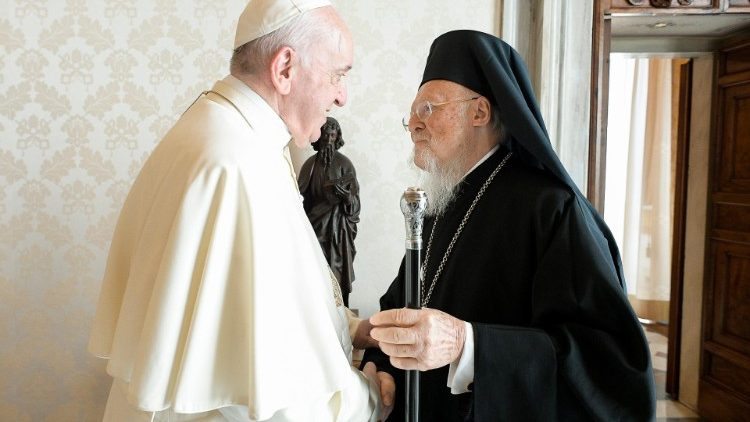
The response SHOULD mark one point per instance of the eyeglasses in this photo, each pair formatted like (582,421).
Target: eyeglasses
(335,78)
(424,110)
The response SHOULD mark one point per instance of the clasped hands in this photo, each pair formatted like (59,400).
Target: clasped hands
(385,385)
(382,380)
(421,339)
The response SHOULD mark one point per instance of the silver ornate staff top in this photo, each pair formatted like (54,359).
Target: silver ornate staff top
(413,206)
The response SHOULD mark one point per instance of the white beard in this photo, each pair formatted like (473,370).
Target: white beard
(441,181)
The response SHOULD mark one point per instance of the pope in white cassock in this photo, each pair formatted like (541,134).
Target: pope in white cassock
(217,303)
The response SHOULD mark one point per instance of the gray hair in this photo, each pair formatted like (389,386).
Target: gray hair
(301,33)
(496,122)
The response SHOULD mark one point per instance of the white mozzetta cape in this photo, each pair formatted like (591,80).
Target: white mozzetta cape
(216,291)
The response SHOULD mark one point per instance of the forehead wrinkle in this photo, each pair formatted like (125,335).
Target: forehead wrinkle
(430,94)
(338,41)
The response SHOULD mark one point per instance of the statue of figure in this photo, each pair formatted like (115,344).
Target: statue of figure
(328,183)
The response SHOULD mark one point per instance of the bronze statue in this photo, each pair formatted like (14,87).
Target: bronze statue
(328,183)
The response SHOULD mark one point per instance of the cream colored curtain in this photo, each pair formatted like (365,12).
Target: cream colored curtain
(642,223)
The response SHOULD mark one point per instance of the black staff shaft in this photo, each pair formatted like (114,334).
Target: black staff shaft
(412,292)
(413,205)
(413,301)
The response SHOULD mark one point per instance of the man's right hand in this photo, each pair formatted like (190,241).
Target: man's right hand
(362,339)
(387,386)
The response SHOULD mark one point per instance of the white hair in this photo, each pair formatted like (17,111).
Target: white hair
(303,32)
(496,122)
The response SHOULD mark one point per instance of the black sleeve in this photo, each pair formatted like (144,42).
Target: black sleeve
(585,356)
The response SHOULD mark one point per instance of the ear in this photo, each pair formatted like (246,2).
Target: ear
(482,112)
(283,69)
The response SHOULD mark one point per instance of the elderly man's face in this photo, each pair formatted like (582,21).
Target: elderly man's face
(445,134)
(321,84)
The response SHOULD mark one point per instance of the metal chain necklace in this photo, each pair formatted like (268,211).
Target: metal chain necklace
(426,297)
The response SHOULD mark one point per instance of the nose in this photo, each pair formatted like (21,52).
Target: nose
(341,94)
(415,124)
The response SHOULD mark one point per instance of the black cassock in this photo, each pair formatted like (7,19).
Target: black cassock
(555,337)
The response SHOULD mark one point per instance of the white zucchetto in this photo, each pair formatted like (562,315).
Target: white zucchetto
(261,17)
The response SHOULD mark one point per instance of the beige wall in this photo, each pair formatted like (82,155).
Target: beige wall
(87,89)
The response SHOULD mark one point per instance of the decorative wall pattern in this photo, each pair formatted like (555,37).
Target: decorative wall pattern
(87,89)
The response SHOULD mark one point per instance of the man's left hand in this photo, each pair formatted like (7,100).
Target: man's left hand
(420,339)
(386,385)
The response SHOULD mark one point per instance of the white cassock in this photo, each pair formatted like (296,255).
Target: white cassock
(217,302)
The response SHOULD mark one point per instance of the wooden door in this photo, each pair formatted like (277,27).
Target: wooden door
(724,393)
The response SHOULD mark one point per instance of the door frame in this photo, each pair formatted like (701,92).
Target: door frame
(674,337)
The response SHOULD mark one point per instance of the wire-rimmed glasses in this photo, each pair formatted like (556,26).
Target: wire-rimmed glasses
(424,110)
(335,78)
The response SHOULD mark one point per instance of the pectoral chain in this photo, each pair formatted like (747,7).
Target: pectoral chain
(426,296)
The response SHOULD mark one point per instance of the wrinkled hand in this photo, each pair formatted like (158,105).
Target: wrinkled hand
(362,339)
(386,386)
(420,339)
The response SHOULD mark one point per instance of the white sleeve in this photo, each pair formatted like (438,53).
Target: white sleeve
(358,402)
(353,322)
(362,390)
(461,370)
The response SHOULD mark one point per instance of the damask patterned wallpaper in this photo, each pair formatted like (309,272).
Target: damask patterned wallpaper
(87,88)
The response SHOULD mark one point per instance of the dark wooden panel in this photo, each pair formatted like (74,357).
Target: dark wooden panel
(729,236)
(731,296)
(735,377)
(736,59)
(730,79)
(734,217)
(733,356)
(737,62)
(737,297)
(731,198)
(715,404)
(735,139)
(724,389)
